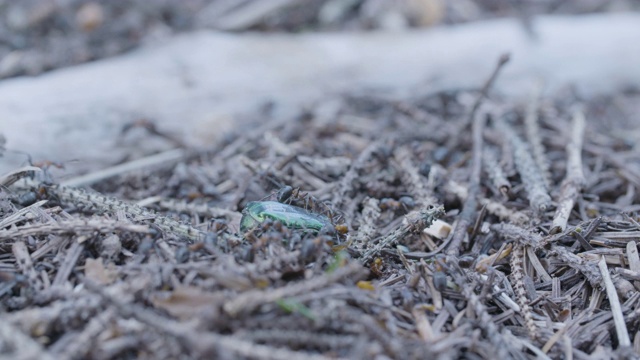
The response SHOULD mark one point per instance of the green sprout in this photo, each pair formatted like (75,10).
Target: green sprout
(293,306)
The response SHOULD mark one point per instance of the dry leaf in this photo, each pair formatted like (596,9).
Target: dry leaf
(95,270)
(186,302)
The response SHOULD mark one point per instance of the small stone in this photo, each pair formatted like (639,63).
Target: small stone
(111,246)
(90,16)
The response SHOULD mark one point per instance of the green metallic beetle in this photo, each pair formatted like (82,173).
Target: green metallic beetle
(293,217)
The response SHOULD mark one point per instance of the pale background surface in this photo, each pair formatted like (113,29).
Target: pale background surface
(201,84)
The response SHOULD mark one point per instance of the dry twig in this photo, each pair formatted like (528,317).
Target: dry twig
(614,302)
(415,222)
(105,203)
(533,135)
(529,172)
(495,172)
(517,276)
(574,181)
(166,158)
(412,179)
(367,230)
(469,209)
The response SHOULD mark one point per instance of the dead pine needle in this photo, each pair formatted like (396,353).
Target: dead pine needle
(502,61)
(532,129)
(495,173)
(162,159)
(532,178)
(466,218)
(614,302)
(109,204)
(414,223)
(469,212)
(367,230)
(413,180)
(574,180)
(11,177)
(517,278)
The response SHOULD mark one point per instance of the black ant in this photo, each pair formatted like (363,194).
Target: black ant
(36,194)
(294,196)
(405,203)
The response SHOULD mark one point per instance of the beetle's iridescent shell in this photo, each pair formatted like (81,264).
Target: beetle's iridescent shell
(290,216)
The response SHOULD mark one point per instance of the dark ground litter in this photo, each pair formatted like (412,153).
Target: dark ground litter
(40,35)
(89,276)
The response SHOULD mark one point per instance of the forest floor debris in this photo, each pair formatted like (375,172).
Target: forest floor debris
(150,261)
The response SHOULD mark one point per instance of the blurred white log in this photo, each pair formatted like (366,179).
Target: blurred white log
(195,85)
